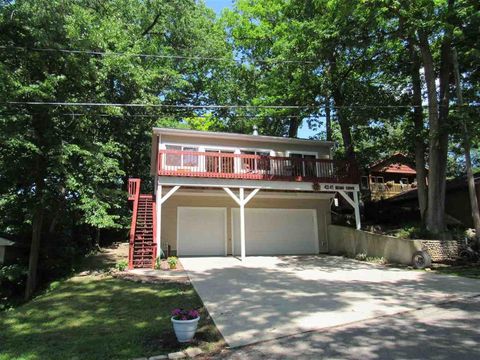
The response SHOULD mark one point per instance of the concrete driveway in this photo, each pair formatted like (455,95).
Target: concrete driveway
(271,297)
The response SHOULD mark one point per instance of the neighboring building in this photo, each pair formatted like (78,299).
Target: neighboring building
(4,244)
(219,194)
(457,200)
(389,177)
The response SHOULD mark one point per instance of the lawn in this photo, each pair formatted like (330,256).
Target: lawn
(471,271)
(101,317)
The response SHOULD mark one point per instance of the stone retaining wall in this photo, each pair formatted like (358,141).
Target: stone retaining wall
(348,241)
(442,250)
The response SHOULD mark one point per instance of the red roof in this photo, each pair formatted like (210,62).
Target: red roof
(397,163)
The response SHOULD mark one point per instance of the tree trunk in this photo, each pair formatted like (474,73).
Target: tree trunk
(34,252)
(328,120)
(338,101)
(419,131)
(293,127)
(438,137)
(468,161)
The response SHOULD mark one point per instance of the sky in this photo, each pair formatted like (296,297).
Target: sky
(218,6)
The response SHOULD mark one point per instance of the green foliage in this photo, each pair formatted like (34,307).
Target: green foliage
(413,232)
(72,164)
(370,259)
(172,262)
(121,265)
(12,282)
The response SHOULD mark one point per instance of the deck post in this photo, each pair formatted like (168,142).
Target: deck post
(160,199)
(159,221)
(357,210)
(242,224)
(241,200)
(355,204)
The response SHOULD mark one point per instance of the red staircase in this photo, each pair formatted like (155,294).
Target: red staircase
(142,252)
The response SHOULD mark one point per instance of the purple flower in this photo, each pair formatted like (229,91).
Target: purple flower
(183,314)
(176,312)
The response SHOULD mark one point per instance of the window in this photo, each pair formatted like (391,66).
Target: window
(180,159)
(364,183)
(260,163)
(304,165)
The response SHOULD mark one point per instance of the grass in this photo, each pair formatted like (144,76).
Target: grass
(101,317)
(470,271)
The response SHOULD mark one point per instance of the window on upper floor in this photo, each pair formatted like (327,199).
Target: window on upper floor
(261,162)
(182,158)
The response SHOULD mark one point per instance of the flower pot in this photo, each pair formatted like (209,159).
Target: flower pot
(185,329)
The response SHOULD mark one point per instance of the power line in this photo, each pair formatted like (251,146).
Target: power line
(175,106)
(155,56)
(191,106)
(278,116)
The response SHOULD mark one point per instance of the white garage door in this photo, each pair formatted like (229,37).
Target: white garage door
(277,231)
(201,231)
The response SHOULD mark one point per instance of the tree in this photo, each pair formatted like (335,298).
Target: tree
(65,169)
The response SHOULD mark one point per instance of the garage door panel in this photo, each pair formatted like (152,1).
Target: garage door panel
(277,231)
(201,231)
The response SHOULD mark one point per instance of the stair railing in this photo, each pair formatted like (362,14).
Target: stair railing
(154,223)
(133,195)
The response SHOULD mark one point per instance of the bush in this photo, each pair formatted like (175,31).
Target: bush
(12,283)
(121,265)
(172,262)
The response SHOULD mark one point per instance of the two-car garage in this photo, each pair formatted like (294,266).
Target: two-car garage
(203,231)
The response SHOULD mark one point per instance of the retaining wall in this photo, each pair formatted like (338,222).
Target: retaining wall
(348,241)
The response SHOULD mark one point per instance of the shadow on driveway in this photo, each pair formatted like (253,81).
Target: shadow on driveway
(270,297)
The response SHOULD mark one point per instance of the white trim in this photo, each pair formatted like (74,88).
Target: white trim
(233,196)
(168,194)
(252,184)
(225,243)
(264,195)
(315,229)
(302,152)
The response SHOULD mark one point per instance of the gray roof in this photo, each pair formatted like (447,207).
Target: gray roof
(5,242)
(224,135)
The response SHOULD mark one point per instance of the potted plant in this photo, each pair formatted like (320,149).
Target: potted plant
(185,324)
(172,262)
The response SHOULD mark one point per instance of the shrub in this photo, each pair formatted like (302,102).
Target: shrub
(361,257)
(172,262)
(158,264)
(121,265)
(12,283)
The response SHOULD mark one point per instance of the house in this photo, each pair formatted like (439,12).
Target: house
(219,194)
(389,177)
(4,243)
(457,200)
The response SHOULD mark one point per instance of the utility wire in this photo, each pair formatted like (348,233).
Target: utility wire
(190,106)
(156,56)
(176,106)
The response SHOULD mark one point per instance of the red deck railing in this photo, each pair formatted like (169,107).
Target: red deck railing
(133,194)
(255,167)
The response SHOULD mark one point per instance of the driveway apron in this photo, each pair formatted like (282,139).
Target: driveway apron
(268,297)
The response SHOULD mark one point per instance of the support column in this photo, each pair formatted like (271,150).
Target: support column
(160,200)
(355,204)
(242,201)
(158,234)
(242,225)
(357,210)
